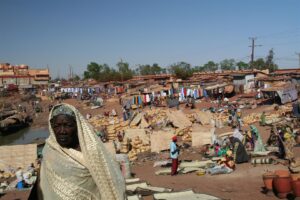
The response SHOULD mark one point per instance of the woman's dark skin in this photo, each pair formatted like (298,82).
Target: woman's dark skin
(65,130)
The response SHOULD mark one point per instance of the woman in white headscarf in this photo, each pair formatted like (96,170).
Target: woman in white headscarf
(75,162)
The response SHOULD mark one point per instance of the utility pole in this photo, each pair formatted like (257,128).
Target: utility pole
(252,49)
(70,72)
(298,54)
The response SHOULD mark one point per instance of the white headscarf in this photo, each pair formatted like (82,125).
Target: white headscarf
(89,174)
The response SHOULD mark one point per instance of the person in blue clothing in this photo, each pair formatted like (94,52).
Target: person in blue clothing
(174,153)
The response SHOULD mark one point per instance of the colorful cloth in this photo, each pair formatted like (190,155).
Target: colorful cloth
(258,144)
(289,143)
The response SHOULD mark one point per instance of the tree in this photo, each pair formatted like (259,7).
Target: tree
(150,70)
(93,71)
(269,61)
(209,67)
(99,72)
(262,64)
(259,64)
(243,66)
(156,69)
(164,70)
(228,64)
(145,69)
(182,70)
(105,74)
(197,69)
(124,70)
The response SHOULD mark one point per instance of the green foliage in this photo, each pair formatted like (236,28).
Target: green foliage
(210,66)
(150,70)
(93,70)
(228,64)
(243,66)
(269,61)
(104,73)
(181,70)
(262,64)
(259,64)
(124,71)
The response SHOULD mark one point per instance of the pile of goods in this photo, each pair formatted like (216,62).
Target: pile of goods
(252,118)
(273,118)
(125,146)
(185,133)
(187,137)
(6,175)
(284,109)
(98,121)
(137,147)
(220,119)
(156,117)
(112,124)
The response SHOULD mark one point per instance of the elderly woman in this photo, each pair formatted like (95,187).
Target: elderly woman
(75,163)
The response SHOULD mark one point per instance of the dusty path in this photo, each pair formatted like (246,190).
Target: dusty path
(244,183)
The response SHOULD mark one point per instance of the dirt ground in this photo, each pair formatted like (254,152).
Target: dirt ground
(244,183)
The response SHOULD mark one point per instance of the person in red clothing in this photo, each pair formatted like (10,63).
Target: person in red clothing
(174,153)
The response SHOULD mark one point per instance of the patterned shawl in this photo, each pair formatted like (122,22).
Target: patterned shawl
(90,174)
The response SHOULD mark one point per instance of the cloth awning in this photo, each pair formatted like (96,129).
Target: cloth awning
(216,86)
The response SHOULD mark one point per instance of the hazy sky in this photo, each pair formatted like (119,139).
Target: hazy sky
(62,33)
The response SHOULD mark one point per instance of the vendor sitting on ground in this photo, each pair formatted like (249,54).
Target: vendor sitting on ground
(288,142)
(239,152)
(248,141)
(20,180)
(224,166)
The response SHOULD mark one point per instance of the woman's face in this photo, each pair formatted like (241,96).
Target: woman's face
(65,130)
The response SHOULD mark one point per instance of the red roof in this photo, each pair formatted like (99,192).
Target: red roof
(287,71)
